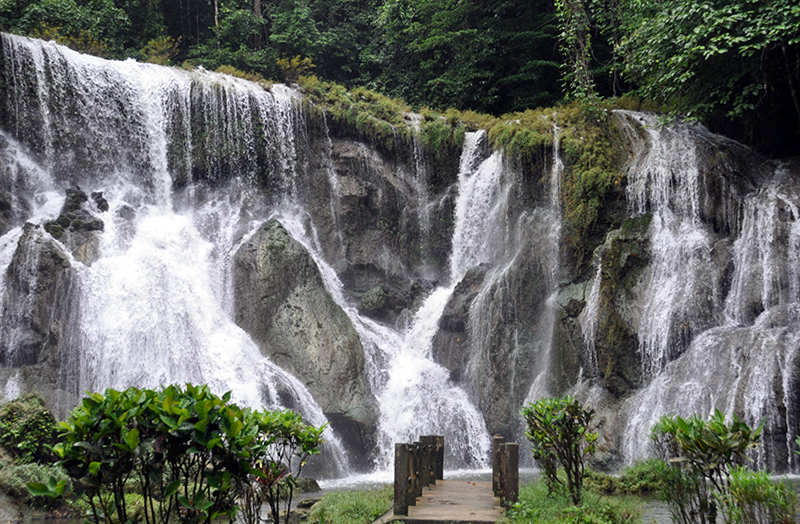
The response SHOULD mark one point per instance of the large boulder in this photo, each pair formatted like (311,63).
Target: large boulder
(38,284)
(281,301)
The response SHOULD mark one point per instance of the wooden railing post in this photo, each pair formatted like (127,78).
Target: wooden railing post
(416,466)
(417,454)
(439,474)
(497,440)
(428,444)
(510,468)
(402,478)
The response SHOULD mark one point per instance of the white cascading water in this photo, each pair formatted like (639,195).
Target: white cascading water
(548,242)
(154,305)
(415,394)
(741,360)
(681,287)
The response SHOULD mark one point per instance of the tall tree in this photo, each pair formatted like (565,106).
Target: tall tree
(733,63)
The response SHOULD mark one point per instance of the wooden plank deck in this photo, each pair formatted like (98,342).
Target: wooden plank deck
(452,502)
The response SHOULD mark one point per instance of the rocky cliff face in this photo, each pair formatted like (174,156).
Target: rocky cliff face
(282,302)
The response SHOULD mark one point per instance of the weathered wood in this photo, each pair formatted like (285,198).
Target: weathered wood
(439,458)
(497,440)
(416,481)
(429,460)
(456,502)
(402,479)
(510,467)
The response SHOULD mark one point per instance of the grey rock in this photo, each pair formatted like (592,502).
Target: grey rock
(282,302)
(76,227)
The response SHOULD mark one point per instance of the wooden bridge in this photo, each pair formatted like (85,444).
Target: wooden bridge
(422,496)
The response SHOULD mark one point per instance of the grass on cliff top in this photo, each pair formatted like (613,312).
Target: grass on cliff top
(589,142)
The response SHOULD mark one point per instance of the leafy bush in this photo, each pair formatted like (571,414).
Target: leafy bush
(280,449)
(161,50)
(537,503)
(27,428)
(188,452)
(753,498)
(558,429)
(699,457)
(639,478)
(14,479)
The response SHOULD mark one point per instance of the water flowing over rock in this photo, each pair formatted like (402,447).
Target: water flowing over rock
(161,225)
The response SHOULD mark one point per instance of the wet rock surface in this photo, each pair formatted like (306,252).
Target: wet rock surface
(282,302)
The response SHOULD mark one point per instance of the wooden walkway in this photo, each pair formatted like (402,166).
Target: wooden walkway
(452,502)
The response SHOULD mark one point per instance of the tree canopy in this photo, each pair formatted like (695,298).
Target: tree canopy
(732,64)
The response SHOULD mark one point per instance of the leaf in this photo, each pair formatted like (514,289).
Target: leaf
(172,488)
(94,468)
(132,439)
(39,489)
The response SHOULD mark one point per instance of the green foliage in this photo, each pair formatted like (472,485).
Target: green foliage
(705,56)
(699,457)
(573,19)
(27,428)
(280,448)
(364,114)
(558,429)
(352,507)
(753,498)
(97,27)
(188,452)
(538,504)
(160,50)
(15,479)
(494,57)
(593,153)
(293,68)
(732,60)
(641,477)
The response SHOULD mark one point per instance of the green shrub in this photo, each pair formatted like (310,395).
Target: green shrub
(14,479)
(558,429)
(753,498)
(352,507)
(189,453)
(538,504)
(26,429)
(699,457)
(640,477)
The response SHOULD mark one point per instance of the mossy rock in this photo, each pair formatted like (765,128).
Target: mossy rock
(373,300)
(27,428)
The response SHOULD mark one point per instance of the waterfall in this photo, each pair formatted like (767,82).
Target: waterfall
(415,394)
(682,289)
(711,341)
(155,304)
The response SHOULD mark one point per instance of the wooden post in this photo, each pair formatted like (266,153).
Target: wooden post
(497,440)
(402,480)
(429,460)
(417,471)
(429,464)
(439,458)
(510,469)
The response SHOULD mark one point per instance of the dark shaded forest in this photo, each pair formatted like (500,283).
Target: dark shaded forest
(733,65)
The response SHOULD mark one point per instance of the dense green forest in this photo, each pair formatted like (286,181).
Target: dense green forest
(731,64)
